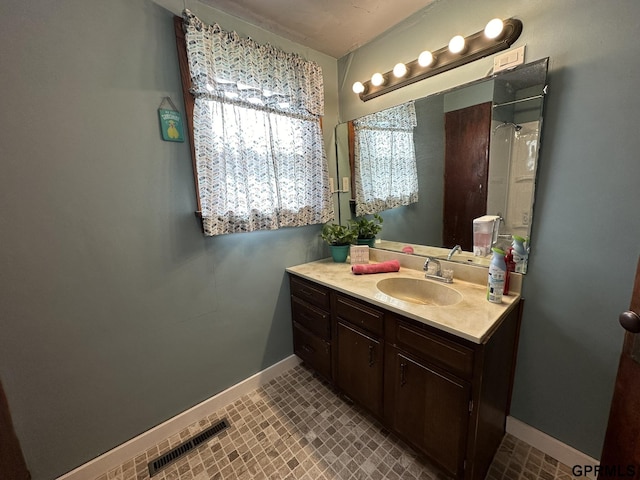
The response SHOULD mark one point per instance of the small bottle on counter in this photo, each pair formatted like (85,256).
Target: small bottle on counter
(497,273)
(511,267)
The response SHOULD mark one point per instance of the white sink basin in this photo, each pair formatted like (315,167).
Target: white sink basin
(421,292)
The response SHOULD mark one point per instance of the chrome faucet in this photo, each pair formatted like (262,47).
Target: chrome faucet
(455,249)
(438,272)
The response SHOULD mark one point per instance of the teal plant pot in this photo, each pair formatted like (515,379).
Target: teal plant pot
(367,241)
(339,252)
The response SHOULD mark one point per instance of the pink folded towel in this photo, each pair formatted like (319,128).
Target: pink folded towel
(382,267)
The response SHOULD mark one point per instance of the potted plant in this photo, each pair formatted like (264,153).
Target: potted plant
(339,238)
(366,230)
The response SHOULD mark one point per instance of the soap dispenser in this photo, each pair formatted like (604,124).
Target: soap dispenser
(485,234)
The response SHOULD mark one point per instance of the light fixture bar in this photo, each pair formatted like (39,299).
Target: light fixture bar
(476,46)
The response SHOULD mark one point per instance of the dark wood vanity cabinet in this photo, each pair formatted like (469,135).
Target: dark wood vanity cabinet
(312,326)
(446,396)
(428,407)
(360,350)
(428,384)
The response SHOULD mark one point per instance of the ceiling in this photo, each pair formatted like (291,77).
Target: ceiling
(334,27)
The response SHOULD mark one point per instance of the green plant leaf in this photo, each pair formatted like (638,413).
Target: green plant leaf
(366,228)
(335,234)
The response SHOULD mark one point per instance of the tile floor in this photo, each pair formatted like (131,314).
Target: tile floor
(297,428)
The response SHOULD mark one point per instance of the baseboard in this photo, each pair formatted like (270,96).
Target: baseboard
(148,439)
(551,446)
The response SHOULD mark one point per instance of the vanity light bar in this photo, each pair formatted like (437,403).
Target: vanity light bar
(475,46)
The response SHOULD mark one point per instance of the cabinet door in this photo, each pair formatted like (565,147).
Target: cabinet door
(430,409)
(360,367)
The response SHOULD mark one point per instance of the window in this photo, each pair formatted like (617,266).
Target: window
(385,161)
(256,139)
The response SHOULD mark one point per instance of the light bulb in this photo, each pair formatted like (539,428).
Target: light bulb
(358,87)
(377,79)
(425,58)
(456,44)
(494,28)
(400,70)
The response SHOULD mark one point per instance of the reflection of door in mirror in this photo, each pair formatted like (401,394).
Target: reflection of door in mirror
(467,134)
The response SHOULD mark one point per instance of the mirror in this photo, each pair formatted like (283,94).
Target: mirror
(476,149)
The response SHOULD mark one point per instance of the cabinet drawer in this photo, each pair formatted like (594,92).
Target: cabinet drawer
(444,353)
(312,318)
(310,292)
(312,349)
(359,314)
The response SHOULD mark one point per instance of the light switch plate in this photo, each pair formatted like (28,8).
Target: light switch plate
(345,184)
(508,60)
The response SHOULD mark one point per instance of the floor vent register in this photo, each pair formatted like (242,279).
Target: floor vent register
(175,453)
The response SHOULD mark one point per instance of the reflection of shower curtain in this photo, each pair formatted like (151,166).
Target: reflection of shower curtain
(385,160)
(512,195)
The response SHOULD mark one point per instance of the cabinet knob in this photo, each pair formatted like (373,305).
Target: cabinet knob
(630,321)
(402,374)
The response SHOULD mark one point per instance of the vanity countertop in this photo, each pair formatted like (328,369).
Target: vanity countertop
(473,318)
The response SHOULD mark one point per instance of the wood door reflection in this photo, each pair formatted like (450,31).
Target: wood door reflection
(466,171)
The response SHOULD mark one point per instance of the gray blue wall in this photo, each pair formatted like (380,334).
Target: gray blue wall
(116,313)
(586,223)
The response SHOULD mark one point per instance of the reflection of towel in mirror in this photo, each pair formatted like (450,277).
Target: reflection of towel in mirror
(382,267)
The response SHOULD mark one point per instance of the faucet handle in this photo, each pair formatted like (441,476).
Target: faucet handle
(447,274)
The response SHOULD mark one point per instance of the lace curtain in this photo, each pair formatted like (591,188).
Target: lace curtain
(260,156)
(385,160)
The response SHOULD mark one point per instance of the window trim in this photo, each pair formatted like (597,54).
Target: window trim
(189,102)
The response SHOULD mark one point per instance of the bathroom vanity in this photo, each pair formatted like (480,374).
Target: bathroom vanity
(439,376)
